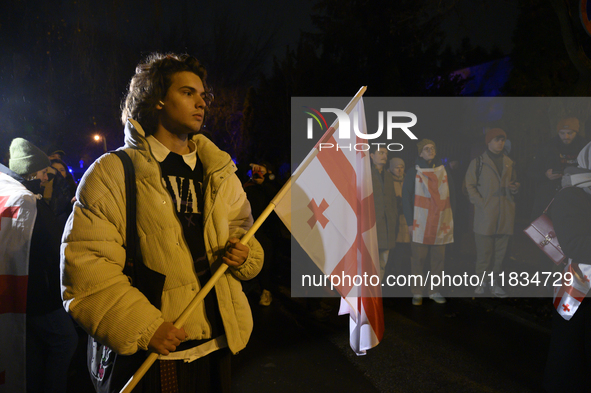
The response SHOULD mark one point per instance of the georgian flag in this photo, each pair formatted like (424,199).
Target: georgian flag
(18,209)
(433,221)
(330,212)
(568,298)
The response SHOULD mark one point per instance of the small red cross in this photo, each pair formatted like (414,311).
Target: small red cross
(415,225)
(444,180)
(565,308)
(10,212)
(445,228)
(318,215)
(586,279)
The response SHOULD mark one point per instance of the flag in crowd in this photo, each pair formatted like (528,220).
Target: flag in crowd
(433,219)
(330,212)
(568,297)
(18,210)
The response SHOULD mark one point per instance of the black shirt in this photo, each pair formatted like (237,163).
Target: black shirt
(185,186)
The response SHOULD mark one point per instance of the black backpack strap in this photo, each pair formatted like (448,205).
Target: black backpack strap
(131,235)
(148,281)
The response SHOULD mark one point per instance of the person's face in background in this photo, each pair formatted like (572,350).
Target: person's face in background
(379,157)
(42,175)
(428,153)
(567,136)
(497,144)
(60,168)
(396,169)
(258,174)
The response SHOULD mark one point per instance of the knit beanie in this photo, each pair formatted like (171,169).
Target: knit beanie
(492,134)
(570,123)
(397,162)
(26,158)
(424,143)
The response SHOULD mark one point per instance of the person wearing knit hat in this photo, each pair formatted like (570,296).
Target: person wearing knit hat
(27,160)
(492,134)
(552,159)
(51,337)
(428,237)
(423,143)
(491,184)
(569,123)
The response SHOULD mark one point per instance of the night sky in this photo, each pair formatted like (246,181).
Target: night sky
(64,65)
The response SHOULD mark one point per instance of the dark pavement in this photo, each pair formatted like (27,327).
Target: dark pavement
(466,345)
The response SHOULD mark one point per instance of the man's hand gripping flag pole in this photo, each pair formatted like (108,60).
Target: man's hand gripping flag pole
(134,380)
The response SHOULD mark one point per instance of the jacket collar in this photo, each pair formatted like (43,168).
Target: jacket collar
(160,152)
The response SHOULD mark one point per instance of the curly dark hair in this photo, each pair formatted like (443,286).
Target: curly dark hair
(151,81)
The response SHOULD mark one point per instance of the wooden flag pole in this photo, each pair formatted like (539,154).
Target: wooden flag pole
(133,381)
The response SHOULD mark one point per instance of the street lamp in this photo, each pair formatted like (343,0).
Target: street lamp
(98,137)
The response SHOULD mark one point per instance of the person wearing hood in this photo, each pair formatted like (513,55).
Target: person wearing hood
(191,212)
(570,353)
(51,338)
(429,215)
(551,160)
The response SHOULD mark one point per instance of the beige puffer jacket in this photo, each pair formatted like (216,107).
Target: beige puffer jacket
(97,293)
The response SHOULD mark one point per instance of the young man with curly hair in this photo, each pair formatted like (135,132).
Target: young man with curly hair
(191,212)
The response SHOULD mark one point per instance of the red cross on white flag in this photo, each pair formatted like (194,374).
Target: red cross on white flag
(18,210)
(568,298)
(433,220)
(339,235)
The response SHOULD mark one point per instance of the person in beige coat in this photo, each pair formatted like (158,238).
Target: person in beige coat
(491,185)
(185,233)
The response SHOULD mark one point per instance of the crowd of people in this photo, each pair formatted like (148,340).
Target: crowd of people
(417,207)
(192,211)
(560,171)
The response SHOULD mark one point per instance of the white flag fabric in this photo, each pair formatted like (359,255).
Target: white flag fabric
(18,209)
(330,212)
(569,296)
(433,220)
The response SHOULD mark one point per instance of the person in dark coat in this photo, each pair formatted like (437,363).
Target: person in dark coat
(60,191)
(50,335)
(384,199)
(551,160)
(569,357)
(260,191)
